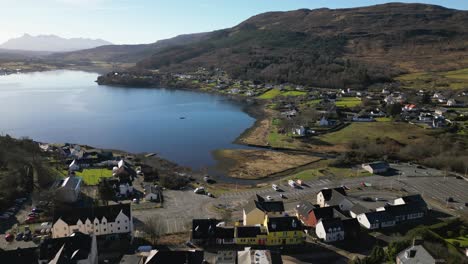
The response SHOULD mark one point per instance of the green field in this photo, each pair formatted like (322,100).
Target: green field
(326,170)
(348,102)
(275,92)
(92,176)
(293,93)
(270,94)
(401,132)
(454,80)
(383,119)
(462,240)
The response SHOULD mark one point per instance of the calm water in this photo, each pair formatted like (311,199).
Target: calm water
(68,106)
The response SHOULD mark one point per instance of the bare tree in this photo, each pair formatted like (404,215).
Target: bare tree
(152,229)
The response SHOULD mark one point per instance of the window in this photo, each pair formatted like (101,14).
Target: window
(118,222)
(126,227)
(118,228)
(64,228)
(105,230)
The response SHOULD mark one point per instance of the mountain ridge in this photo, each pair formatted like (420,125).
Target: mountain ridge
(51,43)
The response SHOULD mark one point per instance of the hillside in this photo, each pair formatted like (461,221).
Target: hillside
(125,53)
(331,48)
(51,43)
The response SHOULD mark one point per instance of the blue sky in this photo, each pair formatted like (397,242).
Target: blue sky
(145,21)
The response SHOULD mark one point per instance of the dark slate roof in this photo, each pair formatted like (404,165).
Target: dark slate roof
(403,209)
(203,228)
(332,223)
(359,209)
(177,257)
(75,247)
(265,206)
(19,256)
(379,165)
(224,232)
(351,225)
(284,223)
(71,215)
(324,212)
(304,208)
(379,217)
(329,193)
(415,199)
(248,231)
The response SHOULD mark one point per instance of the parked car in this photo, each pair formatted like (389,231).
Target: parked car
(19,236)
(199,190)
(367,199)
(450,200)
(9,237)
(30,219)
(37,210)
(27,236)
(33,214)
(269,198)
(282,196)
(275,187)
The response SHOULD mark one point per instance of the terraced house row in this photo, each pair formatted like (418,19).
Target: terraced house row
(264,224)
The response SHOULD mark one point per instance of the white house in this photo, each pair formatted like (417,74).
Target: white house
(74,166)
(376,220)
(324,122)
(300,131)
(376,167)
(103,220)
(334,197)
(330,230)
(153,193)
(69,189)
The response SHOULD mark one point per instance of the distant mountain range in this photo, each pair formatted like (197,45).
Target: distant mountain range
(51,43)
(354,47)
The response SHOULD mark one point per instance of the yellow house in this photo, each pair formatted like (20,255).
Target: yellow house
(250,235)
(286,230)
(255,211)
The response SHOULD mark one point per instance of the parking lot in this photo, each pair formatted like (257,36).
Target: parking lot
(180,207)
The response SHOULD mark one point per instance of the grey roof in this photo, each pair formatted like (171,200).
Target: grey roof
(71,182)
(415,255)
(304,208)
(324,212)
(264,206)
(130,259)
(359,209)
(329,193)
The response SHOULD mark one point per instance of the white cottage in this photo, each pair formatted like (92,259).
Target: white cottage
(330,230)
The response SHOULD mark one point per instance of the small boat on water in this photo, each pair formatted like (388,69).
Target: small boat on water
(182,117)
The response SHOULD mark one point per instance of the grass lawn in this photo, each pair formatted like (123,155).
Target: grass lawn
(401,132)
(293,93)
(323,168)
(457,79)
(275,92)
(270,94)
(383,119)
(91,176)
(462,240)
(348,102)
